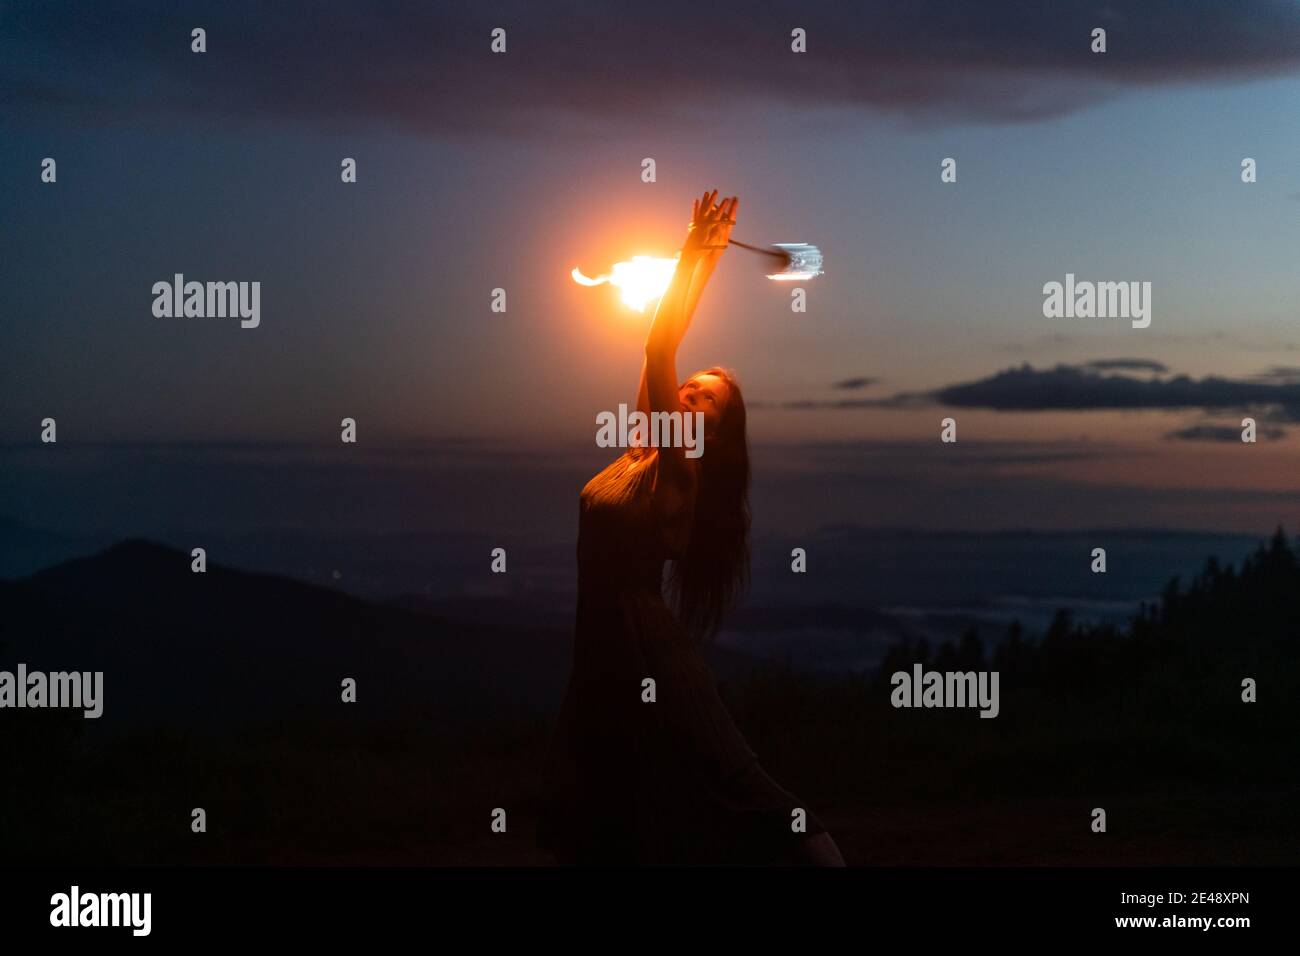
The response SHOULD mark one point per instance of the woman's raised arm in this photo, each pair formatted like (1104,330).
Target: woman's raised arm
(705,242)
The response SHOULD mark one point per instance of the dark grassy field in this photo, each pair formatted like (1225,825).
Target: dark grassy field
(1145,721)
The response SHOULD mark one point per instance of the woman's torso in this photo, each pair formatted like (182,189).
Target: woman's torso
(623,539)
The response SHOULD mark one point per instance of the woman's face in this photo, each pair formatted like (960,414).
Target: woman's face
(705,393)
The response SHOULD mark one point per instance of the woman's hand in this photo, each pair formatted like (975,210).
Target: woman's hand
(710,228)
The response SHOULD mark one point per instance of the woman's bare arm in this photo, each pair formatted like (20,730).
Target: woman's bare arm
(699,279)
(701,253)
(674,311)
(710,228)
(660,370)
(705,242)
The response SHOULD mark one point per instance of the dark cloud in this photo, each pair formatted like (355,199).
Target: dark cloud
(427,66)
(1273,397)
(1224,433)
(1067,387)
(854,383)
(1131,364)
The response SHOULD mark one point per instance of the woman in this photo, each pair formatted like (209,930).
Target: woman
(646,765)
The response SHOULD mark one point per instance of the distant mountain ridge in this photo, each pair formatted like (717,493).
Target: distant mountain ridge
(24,549)
(179,647)
(182,648)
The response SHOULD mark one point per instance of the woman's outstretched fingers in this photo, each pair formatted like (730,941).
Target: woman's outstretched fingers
(711,220)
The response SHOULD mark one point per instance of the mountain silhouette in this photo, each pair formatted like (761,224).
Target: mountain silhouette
(222,690)
(24,549)
(181,648)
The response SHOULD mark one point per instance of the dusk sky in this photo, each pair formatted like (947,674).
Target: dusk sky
(478,171)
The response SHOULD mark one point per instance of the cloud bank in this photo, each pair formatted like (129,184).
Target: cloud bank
(1272,396)
(574,67)
(1068,387)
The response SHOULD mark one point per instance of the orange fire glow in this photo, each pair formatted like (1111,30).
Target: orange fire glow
(639,280)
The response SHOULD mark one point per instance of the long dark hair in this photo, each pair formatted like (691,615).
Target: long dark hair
(708,579)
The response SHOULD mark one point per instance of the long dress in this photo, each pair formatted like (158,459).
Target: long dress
(634,782)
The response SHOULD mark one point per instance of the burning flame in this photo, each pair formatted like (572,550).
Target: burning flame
(640,280)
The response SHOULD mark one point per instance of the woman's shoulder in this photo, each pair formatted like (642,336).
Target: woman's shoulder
(638,472)
(625,472)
